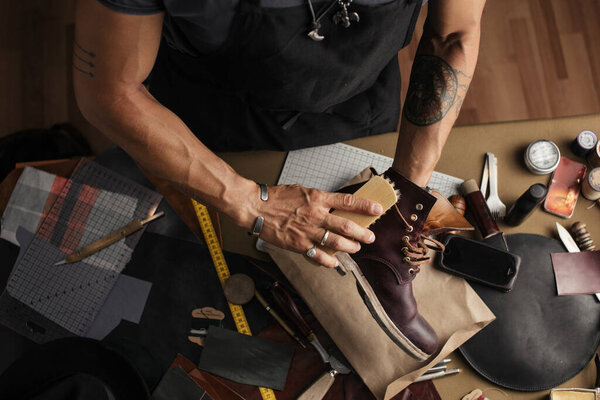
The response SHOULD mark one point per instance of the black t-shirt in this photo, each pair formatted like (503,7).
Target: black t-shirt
(200,26)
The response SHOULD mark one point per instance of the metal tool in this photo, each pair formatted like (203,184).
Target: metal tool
(289,307)
(320,387)
(569,243)
(426,377)
(490,169)
(107,240)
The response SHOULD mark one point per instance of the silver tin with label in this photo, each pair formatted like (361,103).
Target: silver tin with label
(542,157)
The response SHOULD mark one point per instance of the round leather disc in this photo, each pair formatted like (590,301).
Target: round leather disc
(239,289)
(539,339)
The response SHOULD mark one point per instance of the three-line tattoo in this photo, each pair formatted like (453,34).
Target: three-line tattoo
(83,60)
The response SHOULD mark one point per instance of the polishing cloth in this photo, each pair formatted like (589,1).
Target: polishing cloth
(246,359)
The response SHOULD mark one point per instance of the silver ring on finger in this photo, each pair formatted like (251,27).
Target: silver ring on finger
(325,236)
(312,252)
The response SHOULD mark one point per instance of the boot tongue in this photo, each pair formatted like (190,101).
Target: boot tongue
(414,202)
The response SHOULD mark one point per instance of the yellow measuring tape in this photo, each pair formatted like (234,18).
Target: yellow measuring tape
(210,236)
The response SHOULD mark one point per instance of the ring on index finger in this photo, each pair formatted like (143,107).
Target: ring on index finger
(325,236)
(312,252)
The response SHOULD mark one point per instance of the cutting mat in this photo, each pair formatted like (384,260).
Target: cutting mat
(330,167)
(95,202)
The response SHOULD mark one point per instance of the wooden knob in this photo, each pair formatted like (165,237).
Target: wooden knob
(582,236)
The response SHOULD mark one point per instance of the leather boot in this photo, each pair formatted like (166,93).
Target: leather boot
(385,269)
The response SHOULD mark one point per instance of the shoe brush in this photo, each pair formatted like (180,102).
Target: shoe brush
(376,189)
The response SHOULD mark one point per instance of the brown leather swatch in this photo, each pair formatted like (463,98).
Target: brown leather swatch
(577,273)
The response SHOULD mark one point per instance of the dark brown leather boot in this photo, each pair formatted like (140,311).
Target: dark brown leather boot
(385,269)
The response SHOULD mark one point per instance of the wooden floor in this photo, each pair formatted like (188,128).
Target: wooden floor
(538,59)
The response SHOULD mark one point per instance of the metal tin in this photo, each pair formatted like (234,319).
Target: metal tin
(584,142)
(542,157)
(593,157)
(590,187)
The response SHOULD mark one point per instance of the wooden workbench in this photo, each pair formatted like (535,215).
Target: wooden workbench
(463,157)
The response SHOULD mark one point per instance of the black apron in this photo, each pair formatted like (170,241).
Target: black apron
(272,87)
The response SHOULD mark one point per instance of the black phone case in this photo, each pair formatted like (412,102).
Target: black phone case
(479,262)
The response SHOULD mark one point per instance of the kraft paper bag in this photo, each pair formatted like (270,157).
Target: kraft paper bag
(447,302)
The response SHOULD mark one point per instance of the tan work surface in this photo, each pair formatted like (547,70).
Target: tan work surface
(463,157)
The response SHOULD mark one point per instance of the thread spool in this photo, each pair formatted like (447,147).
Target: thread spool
(582,236)
(460,205)
(584,143)
(590,187)
(593,157)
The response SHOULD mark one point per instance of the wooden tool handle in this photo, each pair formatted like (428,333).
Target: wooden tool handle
(105,241)
(320,387)
(290,309)
(479,209)
(280,321)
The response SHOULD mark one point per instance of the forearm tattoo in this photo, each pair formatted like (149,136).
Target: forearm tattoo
(83,60)
(434,88)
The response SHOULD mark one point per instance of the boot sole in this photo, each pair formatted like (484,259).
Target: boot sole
(378,312)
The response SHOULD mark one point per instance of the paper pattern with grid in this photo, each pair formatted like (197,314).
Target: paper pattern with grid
(330,167)
(72,294)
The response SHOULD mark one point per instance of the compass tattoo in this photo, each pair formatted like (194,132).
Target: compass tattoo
(432,91)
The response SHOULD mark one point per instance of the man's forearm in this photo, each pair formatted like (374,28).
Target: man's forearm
(440,77)
(157,139)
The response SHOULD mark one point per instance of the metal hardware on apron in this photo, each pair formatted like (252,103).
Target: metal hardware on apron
(271,87)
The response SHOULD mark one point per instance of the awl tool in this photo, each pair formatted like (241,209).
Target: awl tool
(107,240)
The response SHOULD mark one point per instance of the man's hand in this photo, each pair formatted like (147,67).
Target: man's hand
(113,54)
(296,219)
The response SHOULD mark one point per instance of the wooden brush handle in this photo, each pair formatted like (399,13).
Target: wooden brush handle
(479,209)
(320,387)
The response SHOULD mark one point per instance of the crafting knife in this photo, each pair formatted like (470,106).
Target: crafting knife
(567,239)
(569,243)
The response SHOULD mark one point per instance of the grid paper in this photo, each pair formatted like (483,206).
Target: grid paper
(72,294)
(330,167)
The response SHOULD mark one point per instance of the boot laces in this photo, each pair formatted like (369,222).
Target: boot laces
(415,254)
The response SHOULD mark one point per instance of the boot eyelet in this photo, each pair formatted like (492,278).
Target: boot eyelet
(411,271)
(406,239)
(419,207)
(409,229)
(404,250)
(413,217)
(407,260)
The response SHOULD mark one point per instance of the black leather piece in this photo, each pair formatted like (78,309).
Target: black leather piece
(43,366)
(479,262)
(76,387)
(538,340)
(13,344)
(246,359)
(183,278)
(177,385)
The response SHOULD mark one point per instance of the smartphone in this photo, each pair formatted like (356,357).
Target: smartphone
(479,262)
(563,190)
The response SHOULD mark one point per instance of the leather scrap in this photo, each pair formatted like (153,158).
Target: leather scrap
(246,359)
